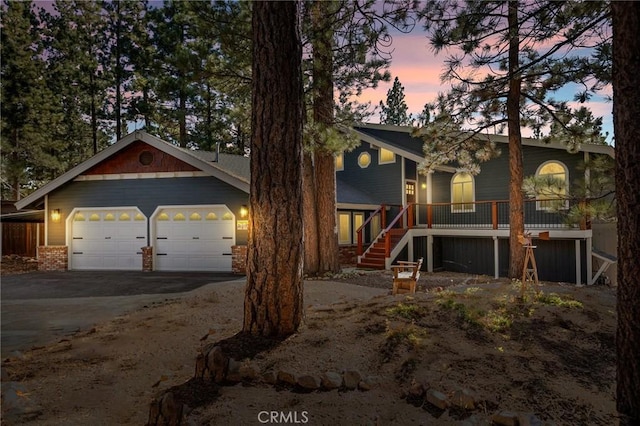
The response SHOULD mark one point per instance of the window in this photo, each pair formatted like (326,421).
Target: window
(364,159)
(344,228)
(462,191)
(358,220)
(386,156)
(553,186)
(348,224)
(339,162)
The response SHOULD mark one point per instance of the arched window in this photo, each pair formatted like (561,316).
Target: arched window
(462,192)
(552,192)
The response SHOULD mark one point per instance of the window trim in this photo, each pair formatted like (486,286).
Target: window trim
(473,194)
(566,189)
(381,161)
(349,231)
(339,162)
(368,156)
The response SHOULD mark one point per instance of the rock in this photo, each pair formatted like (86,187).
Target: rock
(18,405)
(249,372)
(475,420)
(416,390)
(170,410)
(309,382)
(269,377)
(287,378)
(505,418)
(369,383)
(233,371)
(218,363)
(437,399)
(528,419)
(464,398)
(351,379)
(331,380)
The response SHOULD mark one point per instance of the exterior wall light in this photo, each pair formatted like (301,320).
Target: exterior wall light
(55,215)
(244,211)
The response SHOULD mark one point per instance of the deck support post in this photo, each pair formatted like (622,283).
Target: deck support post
(496,258)
(410,248)
(578,264)
(589,259)
(429,253)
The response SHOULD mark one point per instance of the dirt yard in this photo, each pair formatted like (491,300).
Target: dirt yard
(551,354)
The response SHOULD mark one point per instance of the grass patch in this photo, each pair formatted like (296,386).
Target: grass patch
(410,312)
(555,299)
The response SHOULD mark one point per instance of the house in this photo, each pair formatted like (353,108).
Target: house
(143,203)
(454,220)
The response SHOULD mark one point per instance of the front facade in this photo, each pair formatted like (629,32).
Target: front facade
(146,204)
(457,221)
(143,197)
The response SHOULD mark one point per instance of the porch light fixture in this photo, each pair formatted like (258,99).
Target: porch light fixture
(55,215)
(244,211)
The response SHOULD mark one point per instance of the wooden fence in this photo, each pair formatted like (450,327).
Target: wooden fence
(21,238)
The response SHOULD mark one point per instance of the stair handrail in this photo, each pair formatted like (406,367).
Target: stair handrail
(387,234)
(382,208)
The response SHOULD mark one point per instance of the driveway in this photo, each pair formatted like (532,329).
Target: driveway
(43,307)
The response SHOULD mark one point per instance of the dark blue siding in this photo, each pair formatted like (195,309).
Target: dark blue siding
(492,183)
(146,194)
(383,182)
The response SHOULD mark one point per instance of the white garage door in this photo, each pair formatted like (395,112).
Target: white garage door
(194,238)
(108,239)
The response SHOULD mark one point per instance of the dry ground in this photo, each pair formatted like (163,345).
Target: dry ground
(551,354)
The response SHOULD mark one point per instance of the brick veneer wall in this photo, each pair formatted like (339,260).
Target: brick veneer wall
(348,255)
(53,258)
(147,259)
(239,259)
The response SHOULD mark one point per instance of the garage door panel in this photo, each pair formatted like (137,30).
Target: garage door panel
(194,238)
(107,239)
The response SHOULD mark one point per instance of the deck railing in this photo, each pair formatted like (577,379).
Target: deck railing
(475,215)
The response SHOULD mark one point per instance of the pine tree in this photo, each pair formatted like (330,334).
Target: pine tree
(394,111)
(29,118)
(626,90)
(273,295)
(512,57)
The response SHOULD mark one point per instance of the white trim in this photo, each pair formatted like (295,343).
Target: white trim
(355,206)
(566,184)
(587,147)
(380,162)
(212,169)
(473,194)
(153,175)
(368,157)
(153,227)
(46,220)
(69,231)
(589,259)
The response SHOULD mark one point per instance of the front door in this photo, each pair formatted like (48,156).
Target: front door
(410,191)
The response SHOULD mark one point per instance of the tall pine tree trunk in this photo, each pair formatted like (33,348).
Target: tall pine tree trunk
(273,297)
(626,110)
(311,248)
(324,162)
(516,173)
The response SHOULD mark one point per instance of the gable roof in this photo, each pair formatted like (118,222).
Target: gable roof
(401,140)
(228,169)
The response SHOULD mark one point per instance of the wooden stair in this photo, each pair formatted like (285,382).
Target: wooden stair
(374,258)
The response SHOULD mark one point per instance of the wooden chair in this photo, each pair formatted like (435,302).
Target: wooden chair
(405,276)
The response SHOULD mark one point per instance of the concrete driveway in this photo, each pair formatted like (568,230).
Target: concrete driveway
(43,307)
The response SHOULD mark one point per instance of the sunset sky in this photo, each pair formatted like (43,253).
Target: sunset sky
(419,70)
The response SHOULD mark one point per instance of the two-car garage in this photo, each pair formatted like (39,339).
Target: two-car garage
(184,238)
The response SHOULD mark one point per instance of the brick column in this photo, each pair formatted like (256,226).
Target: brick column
(53,258)
(239,259)
(147,259)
